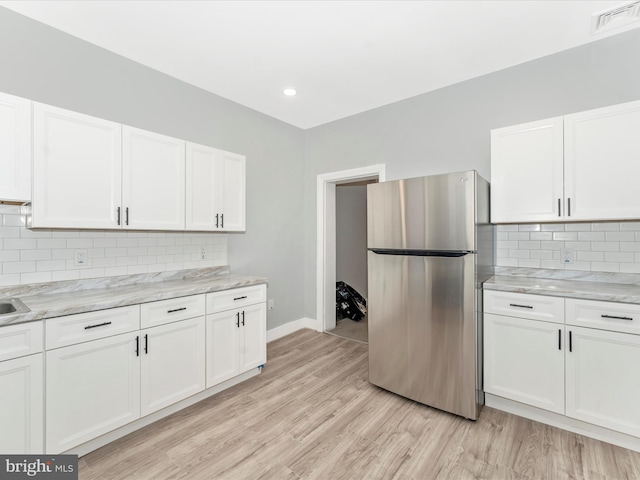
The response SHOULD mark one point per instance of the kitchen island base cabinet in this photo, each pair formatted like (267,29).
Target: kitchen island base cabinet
(173,363)
(21,405)
(92,388)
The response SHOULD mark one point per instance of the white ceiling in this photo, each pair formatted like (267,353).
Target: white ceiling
(343,57)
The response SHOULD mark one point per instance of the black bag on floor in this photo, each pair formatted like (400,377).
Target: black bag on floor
(349,303)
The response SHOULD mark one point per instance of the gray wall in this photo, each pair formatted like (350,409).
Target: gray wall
(351,236)
(46,65)
(448,129)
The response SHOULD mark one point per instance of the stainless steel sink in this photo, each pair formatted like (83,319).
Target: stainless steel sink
(10,306)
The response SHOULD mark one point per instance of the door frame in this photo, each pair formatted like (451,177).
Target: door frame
(326,237)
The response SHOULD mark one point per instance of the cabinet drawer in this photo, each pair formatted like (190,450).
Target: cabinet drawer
(20,340)
(236,298)
(524,305)
(72,329)
(617,317)
(171,310)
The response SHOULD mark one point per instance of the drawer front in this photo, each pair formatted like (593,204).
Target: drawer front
(20,340)
(616,317)
(236,298)
(171,310)
(72,329)
(524,305)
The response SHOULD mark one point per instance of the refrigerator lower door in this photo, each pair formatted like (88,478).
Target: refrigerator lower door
(422,329)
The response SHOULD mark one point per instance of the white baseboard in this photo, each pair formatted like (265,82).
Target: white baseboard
(560,421)
(290,327)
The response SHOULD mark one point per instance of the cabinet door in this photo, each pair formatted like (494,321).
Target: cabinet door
(15,148)
(204,188)
(21,405)
(77,167)
(602,152)
(233,201)
(602,379)
(253,337)
(524,361)
(91,388)
(223,330)
(527,171)
(152,180)
(173,363)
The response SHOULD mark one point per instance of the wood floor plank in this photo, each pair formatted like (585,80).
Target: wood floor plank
(312,414)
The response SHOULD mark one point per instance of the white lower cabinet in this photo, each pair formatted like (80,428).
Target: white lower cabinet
(524,361)
(588,374)
(21,405)
(603,385)
(92,388)
(173,363)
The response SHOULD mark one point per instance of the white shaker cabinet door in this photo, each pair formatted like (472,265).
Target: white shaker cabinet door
(234,192)
(602,379)
(527,171)
(153,180)
(15,148)
(173,363)
(223,330)
(91,389)
(21,405)
(253,336)
(204,188)
(77,169)
(602,163)
(524,361)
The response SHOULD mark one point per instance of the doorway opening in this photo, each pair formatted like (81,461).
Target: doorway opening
(326,237)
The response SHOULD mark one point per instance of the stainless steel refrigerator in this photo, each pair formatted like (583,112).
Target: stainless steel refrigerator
(430,248)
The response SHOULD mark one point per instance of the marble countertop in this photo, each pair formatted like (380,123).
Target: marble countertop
(562,287)
(55,302)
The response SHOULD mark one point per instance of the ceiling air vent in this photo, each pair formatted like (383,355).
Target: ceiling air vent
(626,16)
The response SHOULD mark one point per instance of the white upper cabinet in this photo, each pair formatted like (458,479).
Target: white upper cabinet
(215,189)
(76,170)
(526,172)
(15,148)
(153,183)
(580,167)
(602,162)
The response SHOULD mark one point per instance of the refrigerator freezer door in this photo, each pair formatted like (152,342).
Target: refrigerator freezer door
(422,329)
(427,213)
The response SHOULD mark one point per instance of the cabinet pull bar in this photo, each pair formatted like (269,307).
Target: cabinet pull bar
(559,339)
(177,309)
(617,318)
(97,325)
(570,342)
(243,318)
(222,220)
(217,220)
(568,207)
(126,216)
(559,214)
(238,319)
(138,346)
(520,306)
(240,298)
(146,343)
(118,209)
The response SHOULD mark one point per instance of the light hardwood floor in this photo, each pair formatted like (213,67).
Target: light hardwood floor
(312,414)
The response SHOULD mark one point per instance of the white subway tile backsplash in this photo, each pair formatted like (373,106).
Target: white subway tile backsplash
(31,256)
(599,246)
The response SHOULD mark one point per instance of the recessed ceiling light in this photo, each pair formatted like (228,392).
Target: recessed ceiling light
(289,92)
